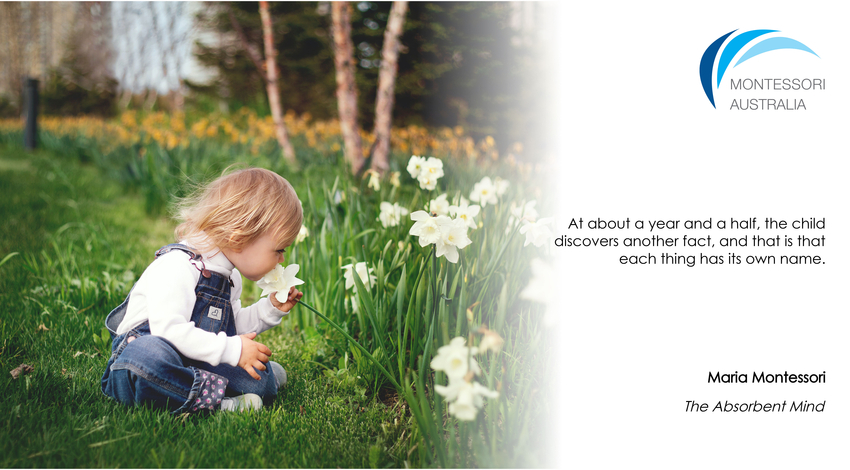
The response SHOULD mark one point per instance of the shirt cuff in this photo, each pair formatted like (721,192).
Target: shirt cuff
(268,312)
(232,351)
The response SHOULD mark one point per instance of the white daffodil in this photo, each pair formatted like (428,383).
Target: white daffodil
(391,214)
(490,341)
(465,212)
(414,165)
(452,237)
(448,235)
(541,288)
(484,192)
(538,232)
(439,206)
(395,180)
(465,398)
(433,167)
(455,359)
(426,227)
(450,391)
(501,186)
(280,280)
(426,182)
(470,398)
(365,274)
(303,233)
(525,210)
(374,179)
(429,171)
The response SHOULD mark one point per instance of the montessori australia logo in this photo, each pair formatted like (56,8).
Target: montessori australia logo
(753,43)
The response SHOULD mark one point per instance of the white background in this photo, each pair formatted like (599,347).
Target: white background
(641,140)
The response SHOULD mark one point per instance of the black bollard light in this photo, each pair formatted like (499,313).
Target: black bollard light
(31,130)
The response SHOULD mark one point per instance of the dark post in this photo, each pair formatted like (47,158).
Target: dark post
(31,131)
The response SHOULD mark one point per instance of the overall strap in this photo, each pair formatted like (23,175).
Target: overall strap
(116,316)
(177,246)
(193,256)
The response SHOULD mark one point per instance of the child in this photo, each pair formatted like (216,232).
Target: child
(182,340)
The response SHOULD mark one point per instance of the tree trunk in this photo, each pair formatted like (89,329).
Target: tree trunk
(173,41)
(346,91)
(271,85)
(16,72)
(252,52)
(386,88)
(160,41)
(46,14)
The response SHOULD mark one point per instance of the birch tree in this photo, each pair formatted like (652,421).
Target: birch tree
(271,84)
(346,91)
(152,46)
(386,87)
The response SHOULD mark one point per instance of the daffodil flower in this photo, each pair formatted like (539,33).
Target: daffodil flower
(427,228)
(439,206)
(280,280)
(448,235)
(484,192)
(365,274)
(433,167)
(394,179)
(303,233)
(524,211)
(501,186)
(391,214)
(426,171)
(452,236)
(455,360)
(490,341)
(427,182)
(414,165)
(538,232)
(374,179)
(466,212)
(465,398)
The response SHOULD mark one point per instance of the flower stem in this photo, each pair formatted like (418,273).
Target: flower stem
(427,353)
(365,351)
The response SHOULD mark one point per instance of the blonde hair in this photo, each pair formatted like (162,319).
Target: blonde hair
(238,208)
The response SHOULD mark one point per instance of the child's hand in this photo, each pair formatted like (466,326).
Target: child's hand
(254,355)
(293,298)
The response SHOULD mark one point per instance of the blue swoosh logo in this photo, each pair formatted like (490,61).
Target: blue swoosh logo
(706,65)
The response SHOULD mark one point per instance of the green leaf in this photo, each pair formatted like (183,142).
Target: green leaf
(8,257)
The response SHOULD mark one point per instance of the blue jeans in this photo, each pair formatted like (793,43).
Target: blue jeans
(147,369)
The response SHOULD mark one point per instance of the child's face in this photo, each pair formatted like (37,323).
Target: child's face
(258,258)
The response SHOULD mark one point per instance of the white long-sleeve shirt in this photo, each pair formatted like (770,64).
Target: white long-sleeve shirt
(165,296)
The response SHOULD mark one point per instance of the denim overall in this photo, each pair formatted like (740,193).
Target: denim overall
(150,369)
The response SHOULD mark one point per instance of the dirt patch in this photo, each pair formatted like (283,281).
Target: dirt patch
(388,396)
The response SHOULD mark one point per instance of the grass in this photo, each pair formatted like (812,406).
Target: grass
(81,241)
(90,234)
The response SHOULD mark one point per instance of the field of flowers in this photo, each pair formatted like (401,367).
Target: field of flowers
(426,281)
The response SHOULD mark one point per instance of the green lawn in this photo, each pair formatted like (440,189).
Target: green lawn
(81,241)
